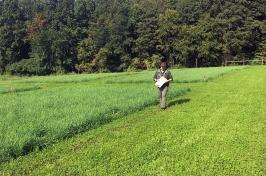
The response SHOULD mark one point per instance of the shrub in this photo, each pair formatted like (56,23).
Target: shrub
(26,67)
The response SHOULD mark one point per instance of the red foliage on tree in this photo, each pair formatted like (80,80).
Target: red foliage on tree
(40,22)
(36,25)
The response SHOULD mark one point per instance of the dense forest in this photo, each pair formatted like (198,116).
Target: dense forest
(40,37)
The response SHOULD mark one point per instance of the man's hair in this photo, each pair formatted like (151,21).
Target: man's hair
(164,64)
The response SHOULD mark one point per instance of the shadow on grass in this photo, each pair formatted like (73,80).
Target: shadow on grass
(179,101)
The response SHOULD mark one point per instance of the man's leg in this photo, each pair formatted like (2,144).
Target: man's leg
(163,97)
(160,95)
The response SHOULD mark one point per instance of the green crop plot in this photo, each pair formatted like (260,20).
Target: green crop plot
(35,119)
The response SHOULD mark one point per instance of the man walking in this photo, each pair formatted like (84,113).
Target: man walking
(160,75)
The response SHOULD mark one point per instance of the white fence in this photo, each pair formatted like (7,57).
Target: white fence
(245,62)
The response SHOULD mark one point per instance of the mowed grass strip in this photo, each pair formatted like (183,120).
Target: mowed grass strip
(34,120)
(11,88)
(216,129)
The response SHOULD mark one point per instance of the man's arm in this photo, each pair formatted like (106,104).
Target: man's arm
(170,76)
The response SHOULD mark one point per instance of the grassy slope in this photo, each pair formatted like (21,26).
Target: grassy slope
(217,129)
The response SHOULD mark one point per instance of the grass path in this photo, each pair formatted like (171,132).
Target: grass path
(219,128)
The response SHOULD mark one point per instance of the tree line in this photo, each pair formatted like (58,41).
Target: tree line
(40,37)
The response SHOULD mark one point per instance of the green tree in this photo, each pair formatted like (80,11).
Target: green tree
(13,44)
(169,24)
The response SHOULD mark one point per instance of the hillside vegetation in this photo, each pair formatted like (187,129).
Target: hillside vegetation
(40,37)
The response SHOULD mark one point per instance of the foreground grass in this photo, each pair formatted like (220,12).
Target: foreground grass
(217,129)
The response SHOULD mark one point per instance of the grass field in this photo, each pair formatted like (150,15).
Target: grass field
(218,128)
(47,109)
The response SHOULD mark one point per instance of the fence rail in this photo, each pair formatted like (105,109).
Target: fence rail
(244,62)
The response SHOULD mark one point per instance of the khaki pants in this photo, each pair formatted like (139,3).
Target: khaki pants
(162,94)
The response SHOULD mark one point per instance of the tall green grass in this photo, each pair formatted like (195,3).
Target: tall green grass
(20,84)
(70,78)
(179,75)
(33,120)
